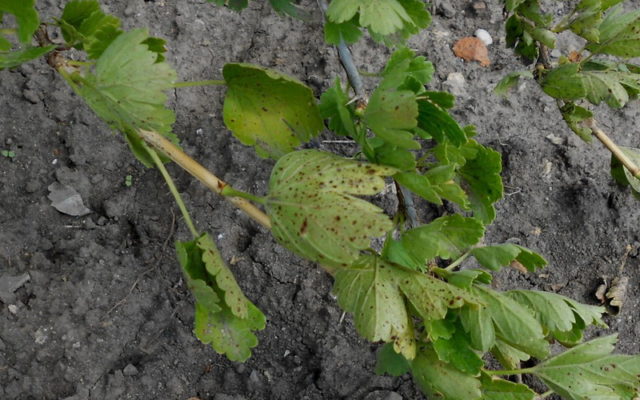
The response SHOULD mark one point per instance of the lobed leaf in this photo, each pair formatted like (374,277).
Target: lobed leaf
(436,184)
(26,17)
(314,211)
(501,255)
(385,153)
(508,356)
(402,65)
(391,115)
(590,371)
(334,107)
(437,122)
(482,177)
(586,19)
(15,58)
(126,89)
(382,17)
(348,31)
(575,116)
(85,27)
(457,351)
(269,110)
(494,388)
(619,34)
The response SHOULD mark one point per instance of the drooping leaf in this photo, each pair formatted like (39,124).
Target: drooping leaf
(442,380)
(314,210)
(438,123)
(458,352)
(436,184)
(590,371)
(224,317)
(26,17)
(126,89)
(575,116)
(477,322)
(269,110)
(513,323)
(382,17)
(391,115)
(621,174)
(84,26)
(333,107)
(494,388)
(347,31)
(498,256)
(15,58)
(445,237)
(402,65)
(389,362)
(619,34)
(482,176)
(509,81)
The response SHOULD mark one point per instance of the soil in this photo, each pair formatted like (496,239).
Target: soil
(105,313)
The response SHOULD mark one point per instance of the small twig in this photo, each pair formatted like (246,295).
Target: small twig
(211,181)
(613,148)
(406,202)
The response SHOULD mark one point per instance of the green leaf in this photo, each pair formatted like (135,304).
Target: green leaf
(511,5)
(465,278)
(587,18)
(619,34)
(482,177)
(445,237)
(590,371)
(457,352)
(510,81)
(224,317)
(333,107)
(621,173)
(441,380)
(402,65)
(269,110)
(126,89)
(508,356)
(437,122)
(575,116)
(26,17)
(544,36)
(605,86)
(565,83)
(514,323)
(494,388)
(389,362)
(382,17)
(519,38)
(391,115)
(435,185)
(393,156)
(477,322)
(420,17)
(15,58)
(288,7)
(84,26)
(347,31)
(313,209)
(501,255)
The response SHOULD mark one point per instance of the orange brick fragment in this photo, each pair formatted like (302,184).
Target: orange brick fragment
(472,49)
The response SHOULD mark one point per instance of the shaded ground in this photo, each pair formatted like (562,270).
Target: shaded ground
(106,315)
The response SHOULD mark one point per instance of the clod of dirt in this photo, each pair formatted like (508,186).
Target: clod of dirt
(9,284)
(472,49)
(66,200)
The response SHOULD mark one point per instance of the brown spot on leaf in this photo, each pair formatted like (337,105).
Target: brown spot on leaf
(303,228)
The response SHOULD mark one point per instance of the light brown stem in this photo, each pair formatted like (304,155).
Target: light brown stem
(211,181)
(613,148)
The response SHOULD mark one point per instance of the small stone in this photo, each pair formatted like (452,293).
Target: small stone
(455,84)
(130,370)
(446,9)
(484,36)
(479,8)
(555,53)
(555,139)
(13,309)
(31,96)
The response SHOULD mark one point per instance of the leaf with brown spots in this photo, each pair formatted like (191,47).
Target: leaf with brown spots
(314,211)
(472,49)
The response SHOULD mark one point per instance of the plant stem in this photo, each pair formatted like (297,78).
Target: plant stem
(508,371)
(406,202)
(231,192)
(546,394)
(212,82)
(613,148)
(458,261)
(211,181)
(174,191)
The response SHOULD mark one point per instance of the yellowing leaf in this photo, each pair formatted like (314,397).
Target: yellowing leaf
(314,211)
(269,110)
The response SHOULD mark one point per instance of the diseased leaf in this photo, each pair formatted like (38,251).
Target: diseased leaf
(604,86)
(465,278)
(509,81)
(445,237)
(575,116)
(26,17)
(15,58)
(590,371)
(389,362)
(477,322)
(314,211)
(348,31)
(382,17)
(482,177)
(333,107)
(391,115)
(619,34)
(494,388)
(269,110)
(224,317)
(501,255)
(586,19)
(126,89)
(436,184)
(441,380)
(513,323)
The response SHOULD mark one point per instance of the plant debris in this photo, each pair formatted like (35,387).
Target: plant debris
(472,49)
(67,200)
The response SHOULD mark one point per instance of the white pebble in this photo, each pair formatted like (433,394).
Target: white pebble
(484,36)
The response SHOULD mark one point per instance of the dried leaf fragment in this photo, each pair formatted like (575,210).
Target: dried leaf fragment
(617,293)
(472,49)
(67,200)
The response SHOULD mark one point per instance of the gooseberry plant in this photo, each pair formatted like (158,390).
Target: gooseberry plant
(598,72)
(436,314)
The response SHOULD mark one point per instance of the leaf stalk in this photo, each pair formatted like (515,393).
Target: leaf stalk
(613,148)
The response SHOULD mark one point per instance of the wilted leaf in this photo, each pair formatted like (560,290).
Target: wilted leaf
(269,110)
(314,211)
(472,49)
